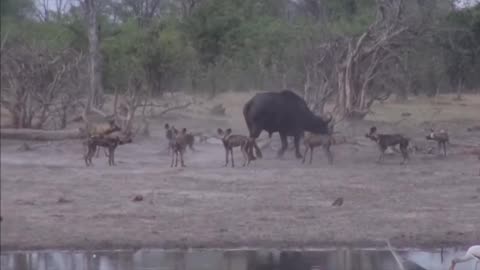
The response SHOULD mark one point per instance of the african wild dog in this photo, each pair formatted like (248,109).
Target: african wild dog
(385,140)
(170,134)
(178,144)
(101,129)
(231,141)
(313,140)
(110,141)
(441,138)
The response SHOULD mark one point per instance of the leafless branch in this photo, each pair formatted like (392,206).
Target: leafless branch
(174,108)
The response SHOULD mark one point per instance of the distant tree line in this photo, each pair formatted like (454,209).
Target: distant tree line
(350,52)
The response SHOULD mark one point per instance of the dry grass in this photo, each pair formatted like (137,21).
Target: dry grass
(441,108)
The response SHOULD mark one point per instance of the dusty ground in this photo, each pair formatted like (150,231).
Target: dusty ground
(49,199)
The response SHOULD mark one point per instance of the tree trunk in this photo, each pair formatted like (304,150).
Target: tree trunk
(41,135)
(193,79)
(348,84)
(63,117)
(402,94)
(284,80)
(307,85)
(363,96)
(341,91)
(94,97)
(459,89)
(213,82)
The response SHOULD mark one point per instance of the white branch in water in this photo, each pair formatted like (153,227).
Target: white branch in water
(395,255)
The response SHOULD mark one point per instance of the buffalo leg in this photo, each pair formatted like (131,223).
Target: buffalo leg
(296,141)
(109,158)
(283,138)
(258,152)
(254,134)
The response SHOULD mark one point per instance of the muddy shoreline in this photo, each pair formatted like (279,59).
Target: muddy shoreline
(171,245)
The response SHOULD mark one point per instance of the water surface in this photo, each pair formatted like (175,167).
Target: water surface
(209,259)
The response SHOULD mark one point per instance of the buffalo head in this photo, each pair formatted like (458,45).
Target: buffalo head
(321,124)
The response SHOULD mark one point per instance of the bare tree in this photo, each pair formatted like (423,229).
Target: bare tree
(142,10)
(320,77)
(38,85)
(95,95)
(46,10)
(61,7)
(187,6)
(134,97)
(365,68)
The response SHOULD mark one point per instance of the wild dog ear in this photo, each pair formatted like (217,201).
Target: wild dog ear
(167,126)
(184,130)
(373,130)
(220,131)
(228,131)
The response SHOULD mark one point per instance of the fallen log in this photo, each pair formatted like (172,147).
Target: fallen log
(41,135)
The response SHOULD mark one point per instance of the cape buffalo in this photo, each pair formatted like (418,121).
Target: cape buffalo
(284,112)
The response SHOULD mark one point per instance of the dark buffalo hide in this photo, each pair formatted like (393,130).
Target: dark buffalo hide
(284,112)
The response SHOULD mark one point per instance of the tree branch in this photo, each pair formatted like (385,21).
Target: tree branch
(174,108)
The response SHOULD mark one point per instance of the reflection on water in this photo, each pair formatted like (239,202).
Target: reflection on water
(153,259)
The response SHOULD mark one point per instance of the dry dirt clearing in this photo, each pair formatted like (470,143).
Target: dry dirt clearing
(49,199)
